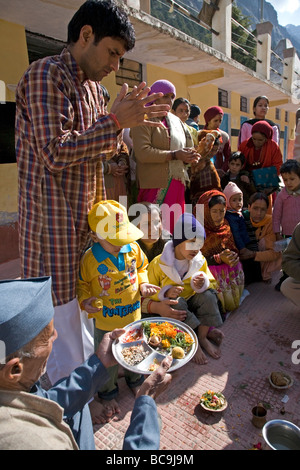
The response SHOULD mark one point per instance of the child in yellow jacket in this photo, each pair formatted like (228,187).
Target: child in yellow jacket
(113,277)
(182,273)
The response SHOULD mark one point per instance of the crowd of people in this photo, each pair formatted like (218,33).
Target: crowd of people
(211,221)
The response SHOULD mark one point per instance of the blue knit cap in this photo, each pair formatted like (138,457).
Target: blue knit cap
(187,227)
(26,308)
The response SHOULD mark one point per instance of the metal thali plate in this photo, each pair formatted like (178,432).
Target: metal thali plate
(133,351)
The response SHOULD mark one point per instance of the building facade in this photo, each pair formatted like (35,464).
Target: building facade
(204,74)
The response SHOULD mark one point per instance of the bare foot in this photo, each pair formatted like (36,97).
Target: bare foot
(216,336)
(199,356)
(102,411)
(212,350)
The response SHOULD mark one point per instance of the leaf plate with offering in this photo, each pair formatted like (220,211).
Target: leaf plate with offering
(213,401)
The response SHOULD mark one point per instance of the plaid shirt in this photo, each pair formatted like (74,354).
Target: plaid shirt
(61,140)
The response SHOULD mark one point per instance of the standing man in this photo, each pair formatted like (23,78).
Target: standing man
(62,136)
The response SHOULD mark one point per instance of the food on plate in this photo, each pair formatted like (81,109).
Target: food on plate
(134,334)
(134,354)
(171,336)
(154,365)
(213,400)
(177,352)
(279,379)
(154,340)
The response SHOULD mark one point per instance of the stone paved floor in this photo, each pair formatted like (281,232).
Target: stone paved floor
(258,340)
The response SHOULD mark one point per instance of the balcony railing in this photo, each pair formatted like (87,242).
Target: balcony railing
(215,27)
(182,17)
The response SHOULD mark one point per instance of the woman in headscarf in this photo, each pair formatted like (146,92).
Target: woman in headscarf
(260,109)
(260,150)
(213,118)
(162,154)
(220,250)
(261,223)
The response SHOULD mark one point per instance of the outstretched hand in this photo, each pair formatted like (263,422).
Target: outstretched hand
(131,110)
(147,290)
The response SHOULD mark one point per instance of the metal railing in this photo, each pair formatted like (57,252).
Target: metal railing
(183,18)
(244,42)
(276,68)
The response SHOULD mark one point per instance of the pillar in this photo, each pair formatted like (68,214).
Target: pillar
(289,56)
(264,31)
(221,22)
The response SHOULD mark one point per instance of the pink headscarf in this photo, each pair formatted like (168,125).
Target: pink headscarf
(162,86)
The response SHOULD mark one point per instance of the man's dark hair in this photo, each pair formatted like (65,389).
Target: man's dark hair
(106,18)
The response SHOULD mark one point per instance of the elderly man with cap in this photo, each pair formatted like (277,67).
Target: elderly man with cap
(32,418)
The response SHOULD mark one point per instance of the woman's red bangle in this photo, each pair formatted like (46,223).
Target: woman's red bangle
(114,117)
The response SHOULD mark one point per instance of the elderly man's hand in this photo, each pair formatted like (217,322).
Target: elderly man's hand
(158,381)
(104,351)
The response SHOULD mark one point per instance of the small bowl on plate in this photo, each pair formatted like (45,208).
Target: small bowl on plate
(280,380)
(213,401)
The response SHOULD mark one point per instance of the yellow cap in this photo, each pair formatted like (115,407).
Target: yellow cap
(109,220)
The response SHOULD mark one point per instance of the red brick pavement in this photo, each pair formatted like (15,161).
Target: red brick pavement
(258,340)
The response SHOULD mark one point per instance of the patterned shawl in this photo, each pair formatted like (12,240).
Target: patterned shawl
(217,238)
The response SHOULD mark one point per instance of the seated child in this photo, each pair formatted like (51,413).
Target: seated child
(154,236)
(181,271)
(113,276)
(240,177)
(234,216)
(286,211)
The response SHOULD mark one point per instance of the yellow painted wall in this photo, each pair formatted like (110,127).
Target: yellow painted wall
(9,187)
(13,63)
(13,55)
